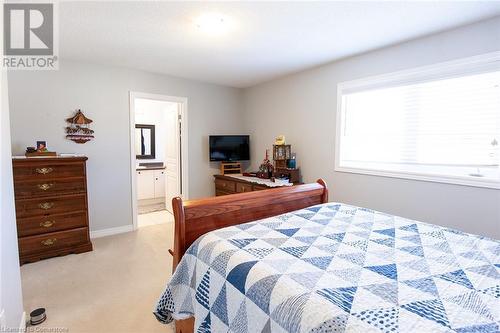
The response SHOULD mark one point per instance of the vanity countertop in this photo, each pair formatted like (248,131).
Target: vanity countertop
(142,168)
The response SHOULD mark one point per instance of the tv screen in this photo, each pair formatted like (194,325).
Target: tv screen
(229,147)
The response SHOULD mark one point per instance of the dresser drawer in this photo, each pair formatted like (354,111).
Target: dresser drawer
(49,171)
(52,241)
(48,187)
(44,224)
(219,193)
(260,187)
(50,205)
(225,185)
(242,187)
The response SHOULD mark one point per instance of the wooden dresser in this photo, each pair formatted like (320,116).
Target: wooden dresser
(51,207)
(225,184)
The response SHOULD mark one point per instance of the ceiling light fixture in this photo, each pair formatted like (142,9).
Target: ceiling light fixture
(212,24)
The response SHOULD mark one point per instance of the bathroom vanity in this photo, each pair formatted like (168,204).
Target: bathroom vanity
(150,183)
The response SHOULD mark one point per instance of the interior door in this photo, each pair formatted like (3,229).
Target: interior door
(172,157)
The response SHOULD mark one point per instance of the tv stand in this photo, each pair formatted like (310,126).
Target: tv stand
(227,168)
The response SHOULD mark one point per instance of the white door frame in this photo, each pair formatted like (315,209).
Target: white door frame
(183,102)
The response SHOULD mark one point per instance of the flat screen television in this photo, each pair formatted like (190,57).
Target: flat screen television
(229,147)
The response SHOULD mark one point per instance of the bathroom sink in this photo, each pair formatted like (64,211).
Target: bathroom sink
(150,166)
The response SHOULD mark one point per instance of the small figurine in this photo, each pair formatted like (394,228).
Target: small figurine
(266,168)
(280,140)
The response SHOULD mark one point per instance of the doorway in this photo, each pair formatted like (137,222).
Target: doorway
(158,148)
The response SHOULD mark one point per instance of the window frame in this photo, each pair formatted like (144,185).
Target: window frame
(449,69)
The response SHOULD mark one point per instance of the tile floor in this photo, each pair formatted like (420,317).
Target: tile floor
(154,218)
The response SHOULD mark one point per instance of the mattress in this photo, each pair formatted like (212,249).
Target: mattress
(335,268)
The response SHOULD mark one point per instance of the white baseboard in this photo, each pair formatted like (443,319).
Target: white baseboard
(22,324)
(111,231)
(3,321)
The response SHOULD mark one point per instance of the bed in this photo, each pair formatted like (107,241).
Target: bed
(287,260)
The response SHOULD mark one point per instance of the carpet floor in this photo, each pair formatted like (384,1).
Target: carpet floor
(111,289)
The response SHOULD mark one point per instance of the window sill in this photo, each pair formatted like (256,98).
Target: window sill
(429,177)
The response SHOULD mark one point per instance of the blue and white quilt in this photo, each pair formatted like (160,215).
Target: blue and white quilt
(336,268)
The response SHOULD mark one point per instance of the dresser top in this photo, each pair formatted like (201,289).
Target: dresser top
(24,159)
(254,180)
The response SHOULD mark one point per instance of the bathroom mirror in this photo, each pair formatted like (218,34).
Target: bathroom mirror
(145,141)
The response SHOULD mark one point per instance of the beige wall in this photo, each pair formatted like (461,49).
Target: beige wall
(303,108)
(42,100)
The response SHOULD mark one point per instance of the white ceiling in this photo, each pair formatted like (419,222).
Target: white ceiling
(266,39)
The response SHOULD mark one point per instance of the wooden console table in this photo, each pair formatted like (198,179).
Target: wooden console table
(225,184)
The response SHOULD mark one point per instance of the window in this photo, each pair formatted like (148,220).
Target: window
(438,123)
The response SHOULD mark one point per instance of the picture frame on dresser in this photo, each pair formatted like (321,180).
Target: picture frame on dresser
(51,207)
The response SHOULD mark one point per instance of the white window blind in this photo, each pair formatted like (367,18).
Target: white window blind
(446,127)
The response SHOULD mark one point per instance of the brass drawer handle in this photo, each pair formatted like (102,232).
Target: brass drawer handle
(47,224)
(46,205)
(223,184)
(49,242)
(44,171)
(45,187)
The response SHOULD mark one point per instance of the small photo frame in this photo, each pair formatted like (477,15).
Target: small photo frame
(41,145)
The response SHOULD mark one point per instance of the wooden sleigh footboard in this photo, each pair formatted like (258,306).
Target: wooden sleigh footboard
(194,218)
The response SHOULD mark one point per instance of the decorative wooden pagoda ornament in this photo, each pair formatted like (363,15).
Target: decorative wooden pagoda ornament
(79,128)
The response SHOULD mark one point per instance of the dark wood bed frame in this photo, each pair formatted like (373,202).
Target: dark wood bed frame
(194,218)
